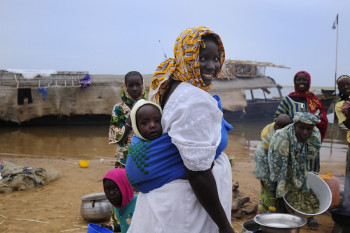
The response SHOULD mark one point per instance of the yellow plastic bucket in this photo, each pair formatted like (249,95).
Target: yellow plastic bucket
(84,163)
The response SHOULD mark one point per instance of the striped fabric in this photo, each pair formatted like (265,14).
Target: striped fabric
(185,65)
(290,107)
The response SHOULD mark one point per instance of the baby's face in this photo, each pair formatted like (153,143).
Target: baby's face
(149,122)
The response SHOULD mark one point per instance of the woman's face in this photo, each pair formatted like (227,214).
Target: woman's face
(303,131)
(134,86)
(112,191)
(301,82)
(344,86)
(209,60)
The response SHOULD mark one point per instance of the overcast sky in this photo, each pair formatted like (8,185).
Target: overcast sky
(114,36)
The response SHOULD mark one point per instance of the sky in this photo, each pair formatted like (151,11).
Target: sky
(117,36)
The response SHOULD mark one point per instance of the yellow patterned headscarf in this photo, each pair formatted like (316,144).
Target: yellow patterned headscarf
(185,65)
(342,77)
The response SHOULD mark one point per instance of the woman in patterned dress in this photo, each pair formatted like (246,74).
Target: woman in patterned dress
(303,100)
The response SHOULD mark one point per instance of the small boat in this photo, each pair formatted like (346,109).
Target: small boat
(249,76)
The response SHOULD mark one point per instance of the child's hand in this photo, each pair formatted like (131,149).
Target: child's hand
(109,227)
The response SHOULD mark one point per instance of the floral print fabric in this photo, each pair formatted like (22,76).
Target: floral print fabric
(261,170)
(116,131)
(290,160)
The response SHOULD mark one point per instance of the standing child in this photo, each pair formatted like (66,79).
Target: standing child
(121,195)
(120,131)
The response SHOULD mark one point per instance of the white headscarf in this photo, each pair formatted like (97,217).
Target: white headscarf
(134,109)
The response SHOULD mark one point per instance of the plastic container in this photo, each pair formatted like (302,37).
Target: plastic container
(334,185)
(84,163)
(94,228)
(322,191)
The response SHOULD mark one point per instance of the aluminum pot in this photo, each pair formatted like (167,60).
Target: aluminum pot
(95,207)
(279,223)
(340,215)
(250,226)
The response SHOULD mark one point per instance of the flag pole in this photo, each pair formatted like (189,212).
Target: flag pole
(336,58)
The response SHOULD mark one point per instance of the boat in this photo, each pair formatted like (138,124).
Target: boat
(248,77)
(237,78)
(71,101)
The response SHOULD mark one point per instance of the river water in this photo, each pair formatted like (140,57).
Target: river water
(91,142)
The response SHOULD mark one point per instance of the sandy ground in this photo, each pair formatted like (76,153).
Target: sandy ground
(56,206)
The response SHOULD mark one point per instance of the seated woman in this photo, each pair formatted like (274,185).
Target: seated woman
(303,100)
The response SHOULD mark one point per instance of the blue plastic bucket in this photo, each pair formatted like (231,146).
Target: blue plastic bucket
(94,228)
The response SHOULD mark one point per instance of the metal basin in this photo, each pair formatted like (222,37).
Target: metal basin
(95,207)
(280,223)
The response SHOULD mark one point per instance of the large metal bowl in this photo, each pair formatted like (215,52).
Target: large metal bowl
(322,191)
(95,207)
(280,223)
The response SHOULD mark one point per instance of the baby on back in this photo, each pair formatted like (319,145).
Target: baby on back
(153,160)
(146,119)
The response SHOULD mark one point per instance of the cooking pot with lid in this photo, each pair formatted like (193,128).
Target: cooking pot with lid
(95,207)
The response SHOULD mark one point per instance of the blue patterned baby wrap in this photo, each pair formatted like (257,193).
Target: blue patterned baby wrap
(151,164)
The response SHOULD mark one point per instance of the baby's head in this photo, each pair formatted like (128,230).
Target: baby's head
(282,121)
(146,119)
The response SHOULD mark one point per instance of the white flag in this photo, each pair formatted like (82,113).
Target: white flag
(335,24)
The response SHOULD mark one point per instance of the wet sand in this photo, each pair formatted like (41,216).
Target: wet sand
(56,206)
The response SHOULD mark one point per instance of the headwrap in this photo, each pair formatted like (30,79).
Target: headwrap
(118,175)
(313,103)
(303,94)
(134,109)
(342,77)
(127,98)
(307,117)
(185,65)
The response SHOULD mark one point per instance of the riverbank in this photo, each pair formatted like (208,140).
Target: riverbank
(56,206)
